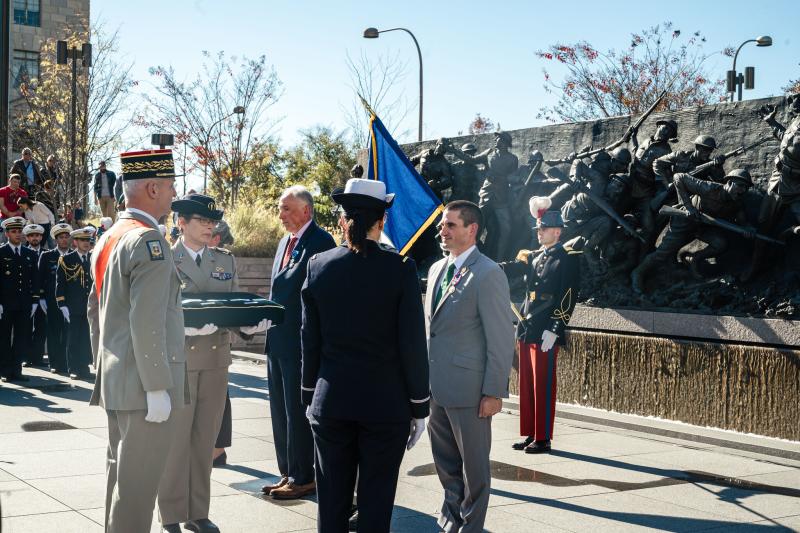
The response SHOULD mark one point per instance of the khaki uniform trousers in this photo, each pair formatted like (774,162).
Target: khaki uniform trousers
(137,453)
(185,489)
(108,206)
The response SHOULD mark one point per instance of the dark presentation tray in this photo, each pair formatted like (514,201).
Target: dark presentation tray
(228,309)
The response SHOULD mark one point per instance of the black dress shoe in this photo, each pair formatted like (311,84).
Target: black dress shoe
(171,528)
(540,446)
(203,525)
(220,460)
(522,444)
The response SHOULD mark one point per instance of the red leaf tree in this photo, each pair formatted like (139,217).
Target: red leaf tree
(627,81)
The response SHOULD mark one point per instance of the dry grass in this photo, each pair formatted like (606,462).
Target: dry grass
(256,229)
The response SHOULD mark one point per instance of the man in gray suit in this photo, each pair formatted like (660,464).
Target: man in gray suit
(471,348)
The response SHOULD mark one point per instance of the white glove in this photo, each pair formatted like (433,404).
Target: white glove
(33,309)
(548,340)
(65,312)
(158,406)
(417,428)
(1,311)
(43,305)
(308,412)
(252,330)
(208,329)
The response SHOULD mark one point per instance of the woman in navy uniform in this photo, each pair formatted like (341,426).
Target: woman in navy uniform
(365,364)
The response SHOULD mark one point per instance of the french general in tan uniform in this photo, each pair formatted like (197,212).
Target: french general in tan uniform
(137,321)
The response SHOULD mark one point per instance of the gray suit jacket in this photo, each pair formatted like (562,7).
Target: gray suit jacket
(470,333)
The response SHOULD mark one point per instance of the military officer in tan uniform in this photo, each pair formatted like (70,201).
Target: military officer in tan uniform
(184,494)
(135,306)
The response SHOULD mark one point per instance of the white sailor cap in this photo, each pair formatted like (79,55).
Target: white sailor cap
(32,228)
(58,229)
(13,223)
(82,233)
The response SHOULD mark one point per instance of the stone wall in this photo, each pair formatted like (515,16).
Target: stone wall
(749,389)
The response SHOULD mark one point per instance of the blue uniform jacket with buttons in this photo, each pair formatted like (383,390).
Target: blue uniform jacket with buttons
(46,277)
(73,283)
(365,355)
(18,278)
(552,279)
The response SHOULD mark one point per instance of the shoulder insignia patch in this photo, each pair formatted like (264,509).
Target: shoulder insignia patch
(155,250)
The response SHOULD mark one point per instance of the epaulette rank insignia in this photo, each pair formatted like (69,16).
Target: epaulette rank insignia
(222,250)
(155,250)
(405,258)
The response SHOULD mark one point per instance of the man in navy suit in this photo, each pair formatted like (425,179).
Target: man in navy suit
(294,444)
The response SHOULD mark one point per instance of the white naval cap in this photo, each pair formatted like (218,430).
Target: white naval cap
(32,228)
(58,229)
(82,233)
(13,223)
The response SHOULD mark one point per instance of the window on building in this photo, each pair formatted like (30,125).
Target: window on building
(27,12)
(24,67)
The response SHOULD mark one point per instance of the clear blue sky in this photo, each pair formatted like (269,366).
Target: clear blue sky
(479,56)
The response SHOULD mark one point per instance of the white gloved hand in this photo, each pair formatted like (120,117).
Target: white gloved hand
(65,312)
(252,330)
(1,311)
(34,307)
(208,329)
(548,340)
(158,406)
(417,428)
(43,305)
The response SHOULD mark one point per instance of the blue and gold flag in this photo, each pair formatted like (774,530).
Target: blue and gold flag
(415,205)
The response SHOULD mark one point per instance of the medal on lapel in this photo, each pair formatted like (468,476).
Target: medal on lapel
(456,279)
(293,257)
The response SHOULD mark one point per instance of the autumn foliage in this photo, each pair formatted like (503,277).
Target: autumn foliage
(621,82)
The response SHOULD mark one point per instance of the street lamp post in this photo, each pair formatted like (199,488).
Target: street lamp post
(735,79)
(374,33)
(63,54)
(238,110)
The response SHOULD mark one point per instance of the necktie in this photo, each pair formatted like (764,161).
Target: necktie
(288,254)
(197,259)
(16,251)
(446,279)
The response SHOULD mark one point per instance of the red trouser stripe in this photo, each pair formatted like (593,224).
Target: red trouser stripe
(537,391)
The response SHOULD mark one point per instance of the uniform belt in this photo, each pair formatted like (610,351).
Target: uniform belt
(540,296)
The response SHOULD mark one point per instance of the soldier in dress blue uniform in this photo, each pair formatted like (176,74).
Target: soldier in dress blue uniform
(18,300)
(33,234)
(46,289)
(73,283)
(552,276)
(365,364)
